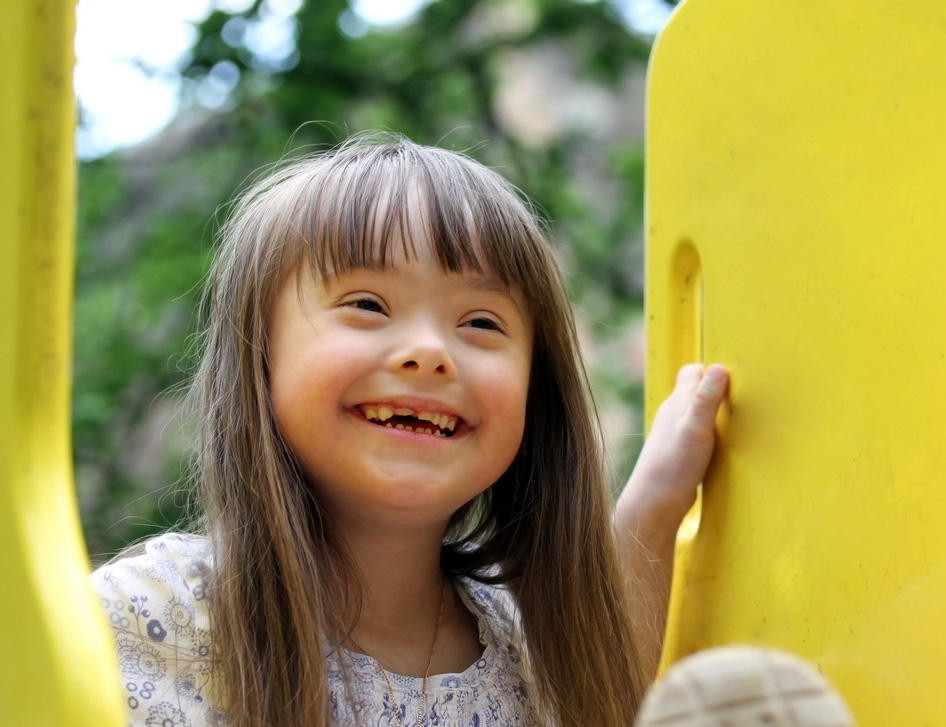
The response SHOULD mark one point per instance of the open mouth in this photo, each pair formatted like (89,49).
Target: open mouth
(436,424)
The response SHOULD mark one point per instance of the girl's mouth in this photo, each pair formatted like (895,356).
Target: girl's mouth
(436,424)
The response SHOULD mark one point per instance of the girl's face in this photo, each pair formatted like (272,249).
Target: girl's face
(401,390)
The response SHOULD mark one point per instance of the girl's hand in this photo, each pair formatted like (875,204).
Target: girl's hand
(661,490)
(675,456)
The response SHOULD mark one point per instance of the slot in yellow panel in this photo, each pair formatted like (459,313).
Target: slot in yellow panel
(57,658)
(799,148)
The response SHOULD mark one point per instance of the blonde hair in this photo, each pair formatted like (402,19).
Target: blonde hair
(283,586)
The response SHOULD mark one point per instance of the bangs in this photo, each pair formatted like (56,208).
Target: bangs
(359,206)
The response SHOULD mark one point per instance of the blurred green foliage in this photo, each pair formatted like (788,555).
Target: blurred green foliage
(449,77)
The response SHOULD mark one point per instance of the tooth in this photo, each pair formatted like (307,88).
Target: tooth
(388,425)
(425,416)
(438,434)
(409,429)
(428,431)
(451,424)
(371,413)
(399,426)
(385,413)
(435,420)
(402,412)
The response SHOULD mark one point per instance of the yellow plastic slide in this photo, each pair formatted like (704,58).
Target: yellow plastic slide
(58,663)
(796,227)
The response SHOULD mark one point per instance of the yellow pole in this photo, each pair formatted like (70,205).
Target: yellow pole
(57,659)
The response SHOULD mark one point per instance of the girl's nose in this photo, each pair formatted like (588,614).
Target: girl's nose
(424,351)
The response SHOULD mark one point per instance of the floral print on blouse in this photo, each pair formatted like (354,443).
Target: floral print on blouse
(157,605)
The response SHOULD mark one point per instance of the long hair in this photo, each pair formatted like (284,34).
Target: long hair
(284,589)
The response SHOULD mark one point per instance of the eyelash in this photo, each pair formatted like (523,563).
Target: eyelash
(493,325)
(370,305)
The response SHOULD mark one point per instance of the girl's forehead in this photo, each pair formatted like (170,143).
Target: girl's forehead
(400,256)
(399,242)
(415,244)
(413,219)
(402,259)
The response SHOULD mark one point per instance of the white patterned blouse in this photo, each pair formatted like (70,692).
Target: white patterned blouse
(157,605)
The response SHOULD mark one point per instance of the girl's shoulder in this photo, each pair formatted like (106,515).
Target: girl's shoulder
(173,566)
(168,547)
(497,617)
(493,606)
(156,599)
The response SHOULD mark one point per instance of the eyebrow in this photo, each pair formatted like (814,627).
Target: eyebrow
(489,284)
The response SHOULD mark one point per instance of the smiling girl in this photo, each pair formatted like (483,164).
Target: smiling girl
(406,517)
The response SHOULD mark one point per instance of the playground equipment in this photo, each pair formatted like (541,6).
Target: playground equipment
(58,660)
(796,222)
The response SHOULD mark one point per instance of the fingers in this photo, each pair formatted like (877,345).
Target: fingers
(712,385)
(705,388)
(689,376)
(708,384)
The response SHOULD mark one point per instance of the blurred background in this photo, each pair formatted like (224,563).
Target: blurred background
(183,102)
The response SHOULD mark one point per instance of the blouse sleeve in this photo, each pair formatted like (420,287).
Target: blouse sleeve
(157,605)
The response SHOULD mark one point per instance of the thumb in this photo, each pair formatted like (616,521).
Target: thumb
(709,393)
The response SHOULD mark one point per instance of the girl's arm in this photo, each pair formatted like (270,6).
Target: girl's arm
(661,490)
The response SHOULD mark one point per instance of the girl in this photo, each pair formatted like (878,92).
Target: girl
(406,518)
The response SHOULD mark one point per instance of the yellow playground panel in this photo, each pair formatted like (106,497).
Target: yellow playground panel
(796,225)
(57,658)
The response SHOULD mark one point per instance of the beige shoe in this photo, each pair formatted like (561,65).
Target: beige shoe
(743,686)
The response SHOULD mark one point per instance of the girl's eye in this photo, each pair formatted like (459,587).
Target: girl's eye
(486,324)
(366,304)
